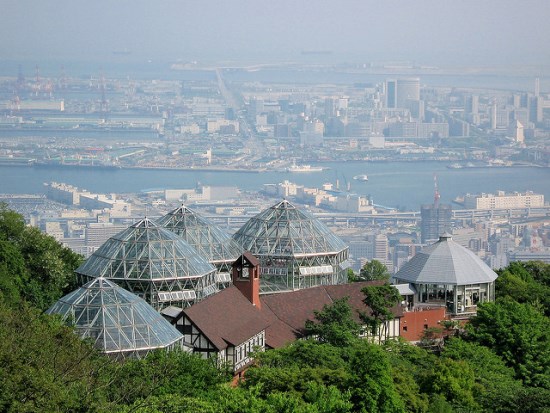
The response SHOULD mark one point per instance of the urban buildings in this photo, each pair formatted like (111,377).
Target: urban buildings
(504,200)
(436,220)
(400,91)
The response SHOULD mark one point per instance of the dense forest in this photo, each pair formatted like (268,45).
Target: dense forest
(499,362)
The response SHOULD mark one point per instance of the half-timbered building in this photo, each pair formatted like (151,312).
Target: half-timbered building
(237,321)
(225,326)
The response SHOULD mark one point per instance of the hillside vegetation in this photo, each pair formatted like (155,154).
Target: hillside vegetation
(499,363)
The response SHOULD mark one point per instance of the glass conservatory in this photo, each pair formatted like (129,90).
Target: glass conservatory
(153,263)
(118,322)
(447,274)
(295,249)
(209,240)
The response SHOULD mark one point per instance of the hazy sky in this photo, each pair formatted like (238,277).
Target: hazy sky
(426,31)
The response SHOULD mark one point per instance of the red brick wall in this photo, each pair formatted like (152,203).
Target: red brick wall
(250,286)
(413,323)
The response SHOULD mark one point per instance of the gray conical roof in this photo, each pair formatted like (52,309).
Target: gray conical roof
(116,320)
(145,251)
(209,240)
(446,262)
(284,230)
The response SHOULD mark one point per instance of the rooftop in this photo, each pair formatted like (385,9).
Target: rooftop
(284,230)
(209,240)
(116,320)
(145,251)
(446,262)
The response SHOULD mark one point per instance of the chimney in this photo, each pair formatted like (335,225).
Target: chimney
(245,274)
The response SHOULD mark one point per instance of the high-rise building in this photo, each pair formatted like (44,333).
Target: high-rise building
(536,104)
(517,131)
(417,109)
(407,89)
(381,247)
(330,107)
(391,93)
(400,91)
(472,105)
(436,220)
(96,233)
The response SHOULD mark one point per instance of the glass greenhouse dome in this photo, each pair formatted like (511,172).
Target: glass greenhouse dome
(153,263)
(209,240)
(118,322)
(295,249)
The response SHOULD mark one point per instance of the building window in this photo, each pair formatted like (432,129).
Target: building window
(404,328)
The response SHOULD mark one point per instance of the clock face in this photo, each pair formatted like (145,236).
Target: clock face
(243,273)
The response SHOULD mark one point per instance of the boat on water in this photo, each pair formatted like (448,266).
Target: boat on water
(461,166)
(362,177)
(304,168)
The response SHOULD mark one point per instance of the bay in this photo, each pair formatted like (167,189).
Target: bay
(404,185)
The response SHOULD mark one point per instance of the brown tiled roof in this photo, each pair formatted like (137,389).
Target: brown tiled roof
(249,257)
(295,307)
(279,334)
(227,317)
(356,297)
(288,312)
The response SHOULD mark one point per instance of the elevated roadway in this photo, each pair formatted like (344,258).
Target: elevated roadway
(411,217)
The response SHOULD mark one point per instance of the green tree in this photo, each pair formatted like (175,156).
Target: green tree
(452,379)
(526,282)
(372,387)
(290,368)
(328,399)
(380,299)
(334,324)
(248,400)
(12,224)
(163,373)
(438,404)
(45,366)
(12,273)
(50,266)
(432,338)
(374,270)
(352,277)
(540,271)
(496,388)
(520,334)
(170,403)
(33,266)
(410,365)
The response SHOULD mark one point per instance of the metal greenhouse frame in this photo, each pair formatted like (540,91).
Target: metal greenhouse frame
(209,240)
(295,249)
(118,322)
(153,263)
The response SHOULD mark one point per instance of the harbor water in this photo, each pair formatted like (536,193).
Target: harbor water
(403,185)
